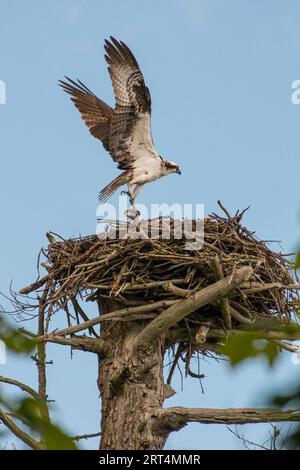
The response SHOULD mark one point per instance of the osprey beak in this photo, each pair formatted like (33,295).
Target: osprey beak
(178,171)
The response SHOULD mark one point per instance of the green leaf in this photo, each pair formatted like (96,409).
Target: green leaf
(247,345)
(51,435)
(297,262)
(14,340)
(56,439)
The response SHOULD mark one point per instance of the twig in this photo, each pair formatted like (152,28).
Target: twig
(34,286)
(85,436)
(152,285)
(287,346)
(179,351)
(81,312)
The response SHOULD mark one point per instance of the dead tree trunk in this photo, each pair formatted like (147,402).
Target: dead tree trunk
(131,386)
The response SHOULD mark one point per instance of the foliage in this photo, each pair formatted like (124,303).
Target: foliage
(14,340)
(247,345)
(28,411)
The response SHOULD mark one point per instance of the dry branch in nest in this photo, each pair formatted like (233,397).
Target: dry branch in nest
(235,281)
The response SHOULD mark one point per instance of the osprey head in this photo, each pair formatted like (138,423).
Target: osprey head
(170,167)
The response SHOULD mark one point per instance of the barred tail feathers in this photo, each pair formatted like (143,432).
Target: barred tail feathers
(112,187)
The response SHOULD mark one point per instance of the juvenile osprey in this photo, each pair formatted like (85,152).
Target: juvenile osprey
(124,131)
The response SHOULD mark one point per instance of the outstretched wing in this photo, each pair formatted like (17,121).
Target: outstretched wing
(130,133)
(95,113)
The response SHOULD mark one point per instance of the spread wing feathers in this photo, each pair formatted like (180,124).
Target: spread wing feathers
(95,113)
(130,124)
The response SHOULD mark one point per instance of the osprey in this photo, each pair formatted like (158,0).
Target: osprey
(124,131)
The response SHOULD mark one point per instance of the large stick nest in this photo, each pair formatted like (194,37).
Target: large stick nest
(140,271)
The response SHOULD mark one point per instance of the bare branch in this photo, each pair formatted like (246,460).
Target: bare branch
(41,357)
(79,310)
(21,385)
(119,315)
(34,286)
(274,335)
(20,433)
(178,291)
(239,317)
(174,418)
(287,346)
(196,300)
(85,436)
(83,343)
(152,285)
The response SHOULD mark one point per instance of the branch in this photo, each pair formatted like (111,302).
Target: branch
(36,285)
(178,291)
(152,285)
(182,308)
(239,317)
(22,386)
(273,335)
(19,432)
(41,356)
(83,315)
(120,315)
(175,418)
(225,306)
(85,436)
(287,346)
(83,343)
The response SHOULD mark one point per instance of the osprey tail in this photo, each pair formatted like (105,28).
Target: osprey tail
(112,187)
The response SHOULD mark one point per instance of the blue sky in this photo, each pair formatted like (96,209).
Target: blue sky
(220,75)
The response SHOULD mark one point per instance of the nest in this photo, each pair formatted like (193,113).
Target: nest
(143,271)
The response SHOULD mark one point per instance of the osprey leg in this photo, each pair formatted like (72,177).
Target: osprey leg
(136,191)
(129,194)
(134,213)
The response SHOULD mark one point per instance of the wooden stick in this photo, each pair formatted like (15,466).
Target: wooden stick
(225,306)
(182,308)
(178,291)
(239,317)
(201,333)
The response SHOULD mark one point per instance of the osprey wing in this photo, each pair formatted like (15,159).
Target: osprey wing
(95,113)
(130,133)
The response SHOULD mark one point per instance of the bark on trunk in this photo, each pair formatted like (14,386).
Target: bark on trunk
(131,386)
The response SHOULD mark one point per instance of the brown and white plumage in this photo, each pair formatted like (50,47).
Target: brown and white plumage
(124,131)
